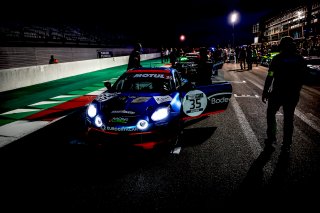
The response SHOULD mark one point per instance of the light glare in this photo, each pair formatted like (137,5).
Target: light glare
(92,111)
(160,114)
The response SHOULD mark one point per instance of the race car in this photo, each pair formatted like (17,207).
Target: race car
(187,65)
(147,107)
(313,69)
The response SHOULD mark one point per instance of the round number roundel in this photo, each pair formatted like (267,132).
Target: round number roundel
(194,103)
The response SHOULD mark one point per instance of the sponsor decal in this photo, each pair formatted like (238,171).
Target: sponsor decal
(140,100)
(194,103)
(123,112)
(149,75)
(219,100)
(119,120)
(161,99)
(106,96)
(122,129)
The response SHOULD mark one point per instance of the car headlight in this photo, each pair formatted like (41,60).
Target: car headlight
(92,110)
(142,124)
(160,113)
(98,121)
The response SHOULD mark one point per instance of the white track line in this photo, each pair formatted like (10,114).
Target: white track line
(246,128)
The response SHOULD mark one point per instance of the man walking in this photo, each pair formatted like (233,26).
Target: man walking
(282,88)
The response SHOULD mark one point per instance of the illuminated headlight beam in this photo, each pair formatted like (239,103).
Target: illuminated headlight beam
(142,124)
(98,121)
(160,114)
(92,111)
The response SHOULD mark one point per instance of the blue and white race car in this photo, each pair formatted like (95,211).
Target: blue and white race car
(148,106)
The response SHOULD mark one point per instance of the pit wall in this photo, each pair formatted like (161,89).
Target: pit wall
(15,78)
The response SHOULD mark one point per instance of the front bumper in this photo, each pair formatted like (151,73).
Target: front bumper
(145,140)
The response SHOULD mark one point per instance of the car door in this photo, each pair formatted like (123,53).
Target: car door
(204,100)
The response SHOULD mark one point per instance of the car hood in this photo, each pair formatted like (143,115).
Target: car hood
(131,103)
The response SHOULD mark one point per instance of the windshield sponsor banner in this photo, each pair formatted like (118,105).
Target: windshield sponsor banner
(123,112)
(149,75)
(140,100)
(161,99)
(106,96)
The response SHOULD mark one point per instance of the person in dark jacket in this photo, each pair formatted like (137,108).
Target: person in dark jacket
(134,58)
(242,57)
(204,70)
(282,88)
(53,60)
(249,57)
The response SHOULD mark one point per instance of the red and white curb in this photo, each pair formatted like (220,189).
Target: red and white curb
(42,117)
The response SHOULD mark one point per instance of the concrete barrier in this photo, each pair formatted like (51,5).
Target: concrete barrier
(26,76)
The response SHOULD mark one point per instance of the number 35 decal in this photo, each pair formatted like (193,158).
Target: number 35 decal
(194,103)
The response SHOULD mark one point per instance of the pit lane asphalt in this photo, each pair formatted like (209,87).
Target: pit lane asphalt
(222,164)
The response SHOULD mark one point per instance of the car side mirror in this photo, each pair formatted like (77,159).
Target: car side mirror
(107,84)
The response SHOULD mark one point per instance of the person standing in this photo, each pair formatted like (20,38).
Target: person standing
(255,56)
(162,55)
(242,57)
(249,57)
(204,70)
(282,89)
(53,60)
(134,58)
(173,56)
(166,55)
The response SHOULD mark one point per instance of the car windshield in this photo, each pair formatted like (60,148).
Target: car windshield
(142,82)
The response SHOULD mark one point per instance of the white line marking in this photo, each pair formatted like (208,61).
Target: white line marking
(98,92)
(247,130)
(6,140)
(256,84)
(311,89)
(18,129)
(19,111)
(15,130)
(64,96)
(304,118)
(45,102)
(297,112)
(237,82)
(313,118)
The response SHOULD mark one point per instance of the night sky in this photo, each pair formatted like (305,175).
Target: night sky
(203,22)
